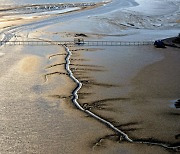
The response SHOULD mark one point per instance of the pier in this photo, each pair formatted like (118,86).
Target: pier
(84,43)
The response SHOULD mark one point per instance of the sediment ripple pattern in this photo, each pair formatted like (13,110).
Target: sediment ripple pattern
(123,135)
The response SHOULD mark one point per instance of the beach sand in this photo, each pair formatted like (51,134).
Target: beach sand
(132,87)
(34,117)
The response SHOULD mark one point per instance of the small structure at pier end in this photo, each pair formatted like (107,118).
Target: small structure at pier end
(159,44)
(79,41)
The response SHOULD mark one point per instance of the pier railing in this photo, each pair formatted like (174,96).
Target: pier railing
(84,43)
(116,43)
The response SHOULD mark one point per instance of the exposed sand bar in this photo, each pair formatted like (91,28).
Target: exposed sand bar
(14,19)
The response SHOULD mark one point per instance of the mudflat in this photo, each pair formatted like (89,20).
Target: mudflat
(82,99)
(133,88)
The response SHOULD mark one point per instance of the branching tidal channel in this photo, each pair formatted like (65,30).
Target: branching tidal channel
(122,135)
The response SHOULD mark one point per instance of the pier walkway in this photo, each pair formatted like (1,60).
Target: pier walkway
(84,43)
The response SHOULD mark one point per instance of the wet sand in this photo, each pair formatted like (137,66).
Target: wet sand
(130,89)
(34,117)
(133,91)
(115,81)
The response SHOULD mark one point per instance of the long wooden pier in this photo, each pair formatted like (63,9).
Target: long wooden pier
(84,43)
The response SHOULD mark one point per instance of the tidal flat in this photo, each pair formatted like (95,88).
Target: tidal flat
(89,99)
